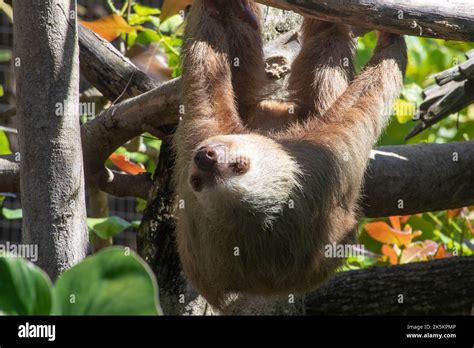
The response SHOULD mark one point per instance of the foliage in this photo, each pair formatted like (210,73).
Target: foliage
(432,235)
(11,214)
(111,27)
(24,288)
(4,144)
(113,282)
(421,237)
(425,58)
(108,227)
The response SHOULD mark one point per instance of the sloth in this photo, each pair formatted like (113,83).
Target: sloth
(264,186)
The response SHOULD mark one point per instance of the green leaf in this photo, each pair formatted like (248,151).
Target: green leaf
(141,205)
(24,288)
(135,19)
(5,55)
(143,10)
(412,92)
(136,223)
(171,24)
(7,9)
(113,282)
(155,21)
(138,157)
(12,214)
(147,36)
(107,227)
(4,144)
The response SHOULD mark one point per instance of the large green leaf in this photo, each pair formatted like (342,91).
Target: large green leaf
(24,288)
(107,227)
(113,282)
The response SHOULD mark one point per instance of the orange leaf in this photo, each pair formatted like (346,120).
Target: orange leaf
(387,250)
(405,218)
(395,221)
(382,232)
(110,27)
(440,253)
(419,251)
(121,162)
(454,212)
(172,7)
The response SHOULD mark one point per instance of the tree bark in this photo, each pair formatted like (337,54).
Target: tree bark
(108,70)
(449,20)
(436,287)
(409,179)
(52,176)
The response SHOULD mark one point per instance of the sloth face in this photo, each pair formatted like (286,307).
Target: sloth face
(249,167)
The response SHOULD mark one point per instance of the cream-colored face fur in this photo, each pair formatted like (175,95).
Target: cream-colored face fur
(271,174)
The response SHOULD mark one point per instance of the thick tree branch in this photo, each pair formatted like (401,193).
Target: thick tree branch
(122,122)
(125,185)
(424,288)
(449,20)
(410,179)
(108,70)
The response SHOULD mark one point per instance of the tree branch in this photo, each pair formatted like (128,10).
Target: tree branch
(425,288)
(108,70)
(122,122)
(125,185)
(453,20)
(409,179)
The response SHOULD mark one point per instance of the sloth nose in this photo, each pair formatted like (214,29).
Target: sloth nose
(208,156)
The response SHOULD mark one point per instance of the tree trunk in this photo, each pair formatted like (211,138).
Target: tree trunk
(52,181)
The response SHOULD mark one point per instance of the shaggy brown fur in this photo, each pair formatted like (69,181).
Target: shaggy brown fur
(257,220)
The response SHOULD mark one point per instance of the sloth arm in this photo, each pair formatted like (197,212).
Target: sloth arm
(334,148)
(208,94)
(324,67)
